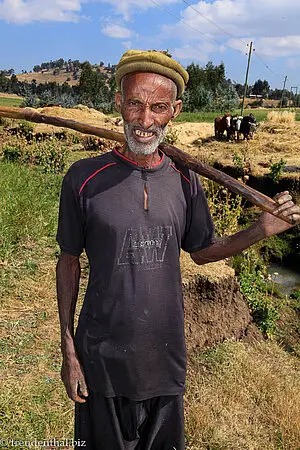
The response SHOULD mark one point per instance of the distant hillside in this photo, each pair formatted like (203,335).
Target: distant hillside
(49,76)
(61,75)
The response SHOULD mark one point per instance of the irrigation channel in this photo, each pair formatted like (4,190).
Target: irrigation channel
(288,277)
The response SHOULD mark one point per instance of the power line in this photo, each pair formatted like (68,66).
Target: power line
(185,23)
(212,22)
(208,36)
(230,35)
(266,66)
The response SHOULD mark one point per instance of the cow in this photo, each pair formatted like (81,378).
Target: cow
(247,127)
(222,123)
(235,125)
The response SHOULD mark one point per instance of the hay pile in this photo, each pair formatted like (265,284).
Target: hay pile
(80,113)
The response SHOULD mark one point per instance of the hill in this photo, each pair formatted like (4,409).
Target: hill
(60,75)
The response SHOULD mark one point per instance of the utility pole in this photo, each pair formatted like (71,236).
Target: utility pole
(294,88)
(246,80)
(281,101)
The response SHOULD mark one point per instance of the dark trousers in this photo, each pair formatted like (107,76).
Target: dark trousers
(118,423)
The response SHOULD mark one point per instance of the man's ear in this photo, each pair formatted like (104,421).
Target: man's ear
(177,106)
(118,101)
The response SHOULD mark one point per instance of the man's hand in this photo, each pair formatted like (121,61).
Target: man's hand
(73,378)
(270,224)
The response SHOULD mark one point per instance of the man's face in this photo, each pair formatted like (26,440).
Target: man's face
(147,103)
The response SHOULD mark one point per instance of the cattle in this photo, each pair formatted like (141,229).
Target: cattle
(247,127)
(222,123)
(235,125)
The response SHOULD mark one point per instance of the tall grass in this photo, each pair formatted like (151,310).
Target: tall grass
(28,207)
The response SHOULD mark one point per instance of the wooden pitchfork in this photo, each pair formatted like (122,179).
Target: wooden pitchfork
(178,156)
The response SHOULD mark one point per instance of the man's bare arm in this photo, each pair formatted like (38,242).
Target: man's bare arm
(67,284)
(267,225)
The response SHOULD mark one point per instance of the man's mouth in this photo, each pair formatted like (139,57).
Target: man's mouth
(144,134)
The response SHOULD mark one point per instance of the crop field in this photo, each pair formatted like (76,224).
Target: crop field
(260,114)
(239,395)
(12,102)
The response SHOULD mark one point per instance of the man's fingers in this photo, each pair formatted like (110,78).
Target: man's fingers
(285,206)
(79,399)
(83,390)
(293,210)
(296,218)
(283,199)
(279,197)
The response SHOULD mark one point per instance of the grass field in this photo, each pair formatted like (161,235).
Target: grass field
(10,102)
(239,396)
(259,114)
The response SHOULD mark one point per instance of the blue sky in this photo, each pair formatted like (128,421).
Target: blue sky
(34,31)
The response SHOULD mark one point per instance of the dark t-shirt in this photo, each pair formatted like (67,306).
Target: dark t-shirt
(130,335)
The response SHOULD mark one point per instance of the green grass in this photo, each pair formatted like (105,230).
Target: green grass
(259,114)
(10,102)
(28,207)
(238,396)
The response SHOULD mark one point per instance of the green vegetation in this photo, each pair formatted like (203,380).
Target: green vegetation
(28,205)
(11,102)
(171,136)
(259,114)
(276,170)
(50,155)
(238,395)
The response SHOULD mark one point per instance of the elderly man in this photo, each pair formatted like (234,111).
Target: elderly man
(132,210)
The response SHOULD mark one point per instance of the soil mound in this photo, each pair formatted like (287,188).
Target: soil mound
(215,309)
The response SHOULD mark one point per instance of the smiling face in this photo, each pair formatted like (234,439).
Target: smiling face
(147,103)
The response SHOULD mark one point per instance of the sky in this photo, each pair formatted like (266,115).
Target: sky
(36,31)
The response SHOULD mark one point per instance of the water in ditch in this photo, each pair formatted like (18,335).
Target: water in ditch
(287,277)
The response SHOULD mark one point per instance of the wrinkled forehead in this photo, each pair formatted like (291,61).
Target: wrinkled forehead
(153,84)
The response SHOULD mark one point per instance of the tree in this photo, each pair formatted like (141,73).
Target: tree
(208,89)
(261,88)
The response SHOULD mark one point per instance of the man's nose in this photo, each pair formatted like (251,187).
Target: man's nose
(146,117)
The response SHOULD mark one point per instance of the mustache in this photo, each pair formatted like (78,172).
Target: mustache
(156,129)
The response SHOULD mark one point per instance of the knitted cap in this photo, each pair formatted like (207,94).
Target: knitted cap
(154,62)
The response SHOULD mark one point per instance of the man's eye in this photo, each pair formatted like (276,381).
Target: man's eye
(160,108)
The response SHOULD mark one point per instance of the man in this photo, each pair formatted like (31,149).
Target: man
(132,210)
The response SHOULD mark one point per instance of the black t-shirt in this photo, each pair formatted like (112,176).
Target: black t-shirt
(130,335)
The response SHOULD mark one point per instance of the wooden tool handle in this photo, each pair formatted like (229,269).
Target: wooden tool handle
(178,156)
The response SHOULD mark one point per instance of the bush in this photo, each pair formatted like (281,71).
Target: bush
(276,170)
(50,155)
(225,207)
(259,296)
(171,137)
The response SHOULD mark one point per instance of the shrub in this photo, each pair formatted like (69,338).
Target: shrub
(225,207)
(171,137)
(259,296)
(276,170)
(50,155)
(296,294)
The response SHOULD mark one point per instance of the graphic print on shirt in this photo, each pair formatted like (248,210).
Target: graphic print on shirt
(145,246)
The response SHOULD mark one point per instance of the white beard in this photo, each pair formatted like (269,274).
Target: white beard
(140,148)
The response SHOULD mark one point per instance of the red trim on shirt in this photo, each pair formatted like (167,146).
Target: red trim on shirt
(173,167)
(94,174)
(134,162)
(124,157)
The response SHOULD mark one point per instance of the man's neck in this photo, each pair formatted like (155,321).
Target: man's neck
(145,161)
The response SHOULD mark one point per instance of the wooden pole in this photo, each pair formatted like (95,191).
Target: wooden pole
(178,156)
(246,79)
(284,83)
